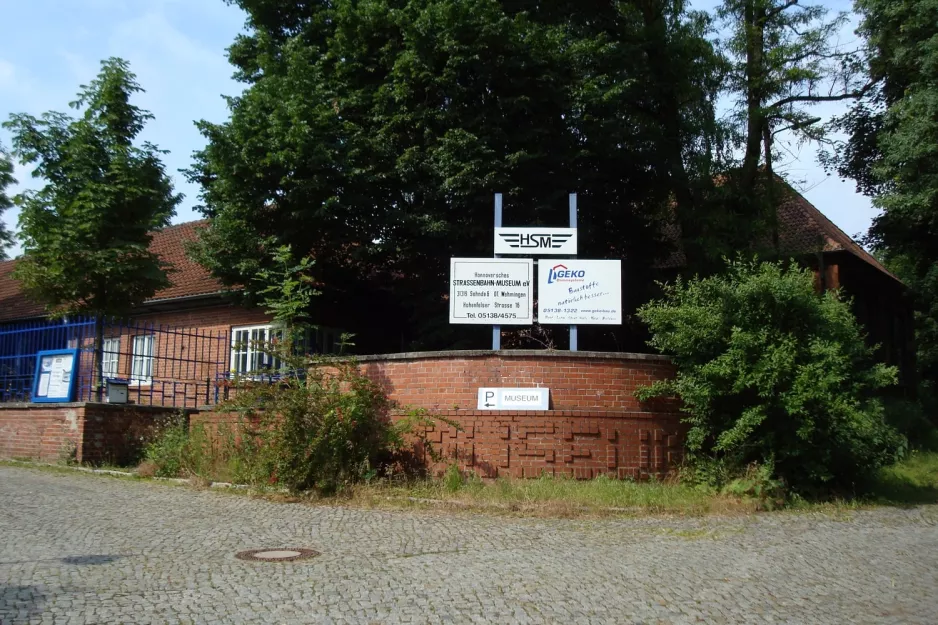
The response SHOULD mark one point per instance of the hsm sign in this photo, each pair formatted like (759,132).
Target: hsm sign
(535,241)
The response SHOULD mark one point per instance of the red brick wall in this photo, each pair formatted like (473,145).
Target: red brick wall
(448,380)
(595,425)
(92,433)
(581,444)
(47,433)
(116,434)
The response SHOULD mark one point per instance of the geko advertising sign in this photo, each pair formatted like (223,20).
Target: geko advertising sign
(580,292)
(561,273)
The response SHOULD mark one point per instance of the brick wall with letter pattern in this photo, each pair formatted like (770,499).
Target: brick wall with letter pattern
(595,425)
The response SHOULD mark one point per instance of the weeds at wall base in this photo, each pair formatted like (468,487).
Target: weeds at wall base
(912,482)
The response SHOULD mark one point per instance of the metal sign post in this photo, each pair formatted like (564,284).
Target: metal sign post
(573,329)
(497,329)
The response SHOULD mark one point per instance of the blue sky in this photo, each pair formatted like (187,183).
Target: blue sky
(177,49)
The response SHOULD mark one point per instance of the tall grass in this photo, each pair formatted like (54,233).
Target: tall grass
(551,495)
(912,481)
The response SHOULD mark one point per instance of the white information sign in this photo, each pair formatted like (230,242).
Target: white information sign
(43,385)
(580,292)
(539,241)
(491,291)
(60,377)
(514,399)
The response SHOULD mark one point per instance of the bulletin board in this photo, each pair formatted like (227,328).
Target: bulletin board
(55,376)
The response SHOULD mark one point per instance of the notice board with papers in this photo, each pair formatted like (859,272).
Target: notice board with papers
(55,376)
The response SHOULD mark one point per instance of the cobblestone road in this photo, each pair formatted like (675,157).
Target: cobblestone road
(78,548)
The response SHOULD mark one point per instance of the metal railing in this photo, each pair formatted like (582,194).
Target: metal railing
(163,365)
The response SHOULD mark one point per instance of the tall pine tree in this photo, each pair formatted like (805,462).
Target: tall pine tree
(785,59)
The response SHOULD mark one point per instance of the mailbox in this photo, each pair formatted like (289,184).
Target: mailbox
(116,390)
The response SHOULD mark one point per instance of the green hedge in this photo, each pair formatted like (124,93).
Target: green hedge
(773,373)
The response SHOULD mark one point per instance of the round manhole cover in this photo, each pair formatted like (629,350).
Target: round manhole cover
(276,555)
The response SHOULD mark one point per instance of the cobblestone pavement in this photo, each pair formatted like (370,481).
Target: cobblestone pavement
(78,548)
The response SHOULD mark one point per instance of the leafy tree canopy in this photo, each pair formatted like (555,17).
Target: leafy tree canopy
(372,135)
(6,179)
(86,232)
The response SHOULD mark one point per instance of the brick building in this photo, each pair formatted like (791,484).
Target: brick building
(178,348)
(182,346)
(189,337)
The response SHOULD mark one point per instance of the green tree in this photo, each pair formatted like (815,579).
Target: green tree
(86,232)
(6,179)
(287,289)
(892,152)
(372,135)
(785,59)
(769,371)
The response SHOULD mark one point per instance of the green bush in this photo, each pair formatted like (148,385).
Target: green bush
(319,424)
(168,448)
(770,372)
(178,450)
(453,478)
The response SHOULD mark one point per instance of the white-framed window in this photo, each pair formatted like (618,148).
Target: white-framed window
(248,355)
(110,356)
(141,371)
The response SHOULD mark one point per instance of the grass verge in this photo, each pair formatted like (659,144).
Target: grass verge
(551,497)
(910,482)
(914,481)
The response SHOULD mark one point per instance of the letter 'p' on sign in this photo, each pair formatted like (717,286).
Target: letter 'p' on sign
(514,399)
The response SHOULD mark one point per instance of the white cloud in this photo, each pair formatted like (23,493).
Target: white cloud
(152,32)
(81,69)
(7,71)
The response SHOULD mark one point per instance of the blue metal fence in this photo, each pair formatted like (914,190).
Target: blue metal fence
(164,365)
(19,344)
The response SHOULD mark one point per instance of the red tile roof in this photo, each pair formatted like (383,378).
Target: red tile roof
(187,278)
(802,230)
(13,302)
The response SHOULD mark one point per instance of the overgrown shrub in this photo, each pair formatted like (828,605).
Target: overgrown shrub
(758,482)
(773,373)
(167,449)
(176,450)
(306,421)
(320,423)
